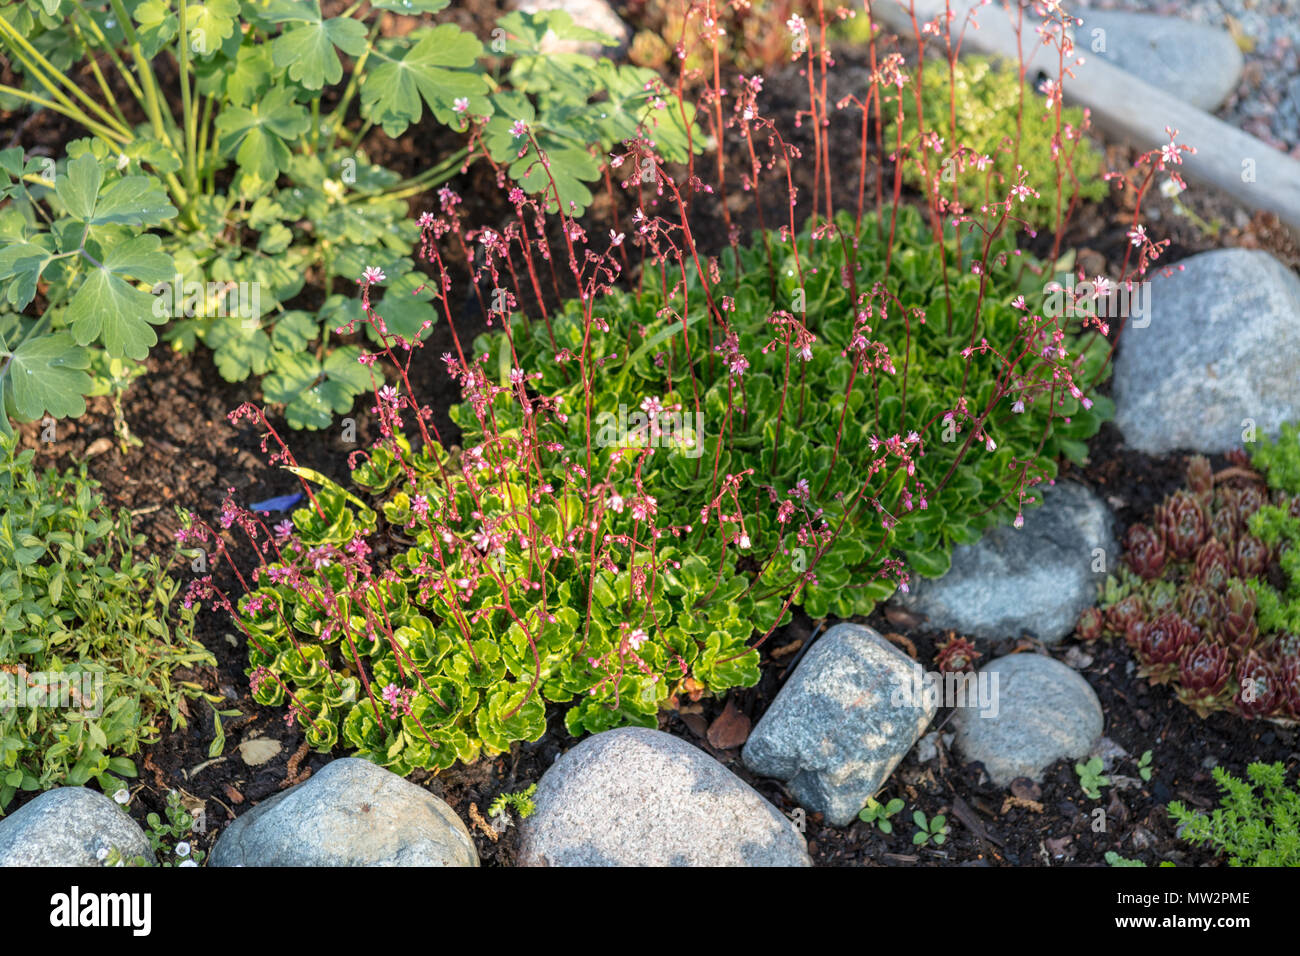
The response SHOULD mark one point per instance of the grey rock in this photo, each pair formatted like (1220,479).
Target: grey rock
(591,14)
(841,723)
(1045,711)
(640,797)
(1035,579)
(1199,64)
(69,826)
(350,813)
(1219,353)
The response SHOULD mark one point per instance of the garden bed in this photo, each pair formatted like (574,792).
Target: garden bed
(189,457)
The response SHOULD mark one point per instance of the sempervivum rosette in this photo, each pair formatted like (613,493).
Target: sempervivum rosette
(1291,687)
(955,655)
(1213,565)
(1201,606)
(1200,478)
(1161,645)
(1250,556)
(1182,523)
(1259,686)
(1090,625)
(1203,674)
(1145,550)
(1125,613)
(1238,622)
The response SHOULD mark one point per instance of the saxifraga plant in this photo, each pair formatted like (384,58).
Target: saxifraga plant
(89,646)
(225,202)
(872,389)
(982,107)
(561,555)
(1209,599)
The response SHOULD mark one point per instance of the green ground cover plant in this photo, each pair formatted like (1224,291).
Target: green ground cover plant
(90,640)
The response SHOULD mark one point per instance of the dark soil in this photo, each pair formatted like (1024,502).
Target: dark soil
(190,457)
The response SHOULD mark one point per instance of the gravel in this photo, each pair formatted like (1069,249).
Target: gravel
(1266,103)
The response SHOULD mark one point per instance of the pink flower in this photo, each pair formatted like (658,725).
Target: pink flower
(459,105)
(520,128)
(373,274)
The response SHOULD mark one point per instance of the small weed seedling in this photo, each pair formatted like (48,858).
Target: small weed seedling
(168,838)
(1144,766)
(521,803)
(936,829)
(878,814)
(1091,778)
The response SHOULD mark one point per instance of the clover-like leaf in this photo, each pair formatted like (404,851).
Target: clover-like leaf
(133,201)
(308,49)
(46,375)
(439,69)
(21,264)
(258,136)
(412,7)
(311,391)
(78,187)
(108,309)
(210,24)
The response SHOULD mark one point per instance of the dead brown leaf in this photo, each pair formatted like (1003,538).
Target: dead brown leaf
(901,618)
(697,724)
(730,728)
(1026,789)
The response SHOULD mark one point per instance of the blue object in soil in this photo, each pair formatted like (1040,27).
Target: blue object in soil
(282,503)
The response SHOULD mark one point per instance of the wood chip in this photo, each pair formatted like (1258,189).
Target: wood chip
(292,775)
(697,724)
(903,642)
(1022,803)
(962,811)
(477,819)
(785,650)
(233,795)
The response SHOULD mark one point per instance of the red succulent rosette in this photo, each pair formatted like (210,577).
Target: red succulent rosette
(955,655)
(1250,556)
(1144,548)
(1203,673)
(1238,626)
(1161,645)
(1200,605)
(1090,625)
(1259,686)
(1125,612)
(1182,523)
(1291,687)
(1213,565)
